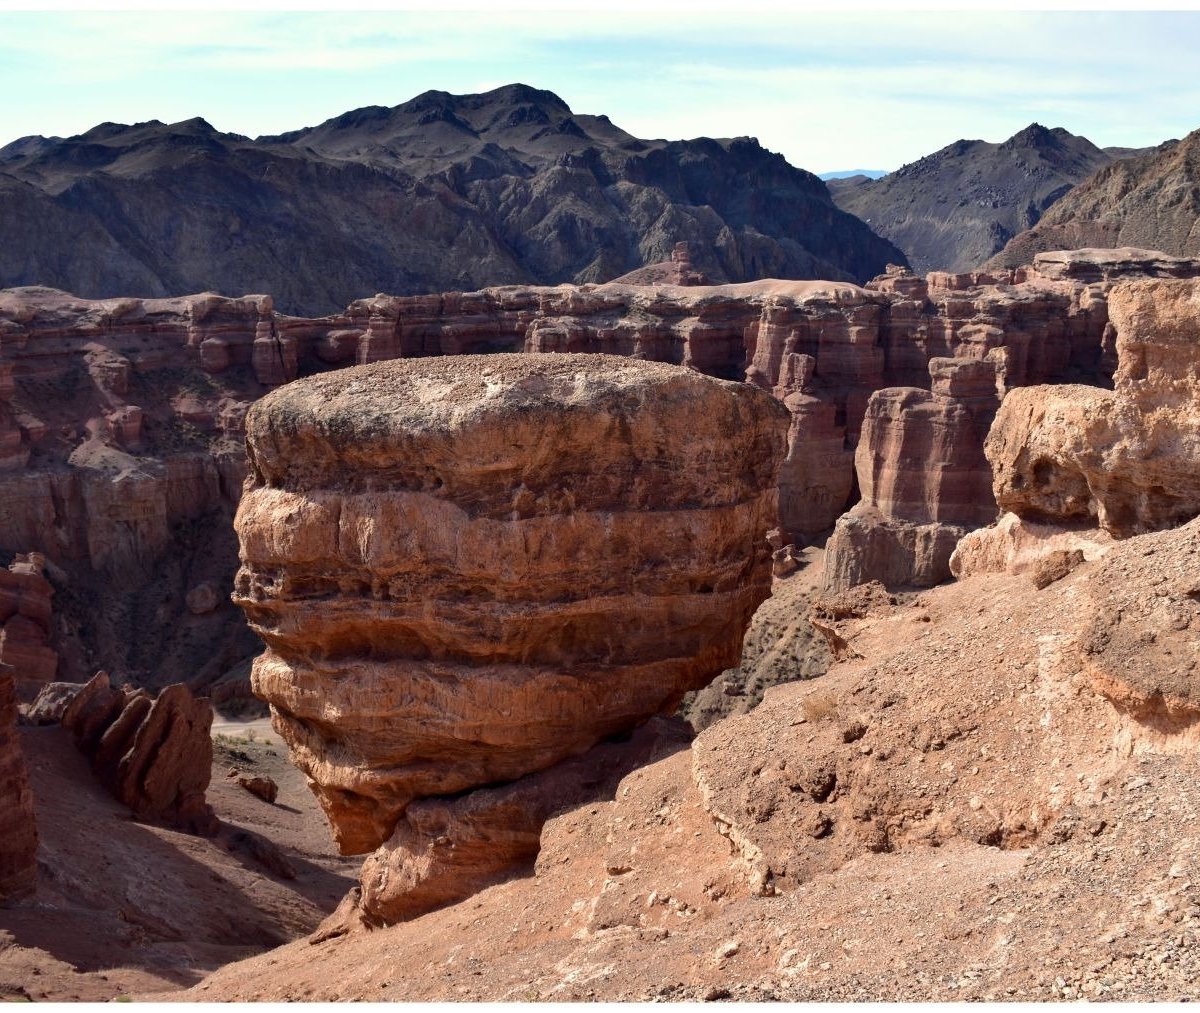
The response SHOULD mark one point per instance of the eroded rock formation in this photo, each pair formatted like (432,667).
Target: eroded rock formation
(131,413)
(446,849)
(25,622)
(468,569)
(923,477)
(153,753)
(18,833)
(1123,460)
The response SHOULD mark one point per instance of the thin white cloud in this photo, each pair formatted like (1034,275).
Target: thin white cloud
(828,89)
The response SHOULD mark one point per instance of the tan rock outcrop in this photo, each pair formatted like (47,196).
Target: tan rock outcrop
(153,753)
(18,833)
(1017,545)
(1124,460)
(468,569)
(51,703)
(1142,650)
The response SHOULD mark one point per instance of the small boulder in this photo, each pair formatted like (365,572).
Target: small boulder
(263,787)
(51,703)
(202,599)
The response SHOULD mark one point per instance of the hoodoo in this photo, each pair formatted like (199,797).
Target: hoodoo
(467,569)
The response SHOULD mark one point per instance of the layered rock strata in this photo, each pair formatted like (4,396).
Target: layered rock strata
(18,832)
(446,849)
(1123,460)
(468,569)
(25,622)
(125,417)
(923,477)
(153,753)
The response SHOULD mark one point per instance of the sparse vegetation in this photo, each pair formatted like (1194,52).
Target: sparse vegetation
(820,705)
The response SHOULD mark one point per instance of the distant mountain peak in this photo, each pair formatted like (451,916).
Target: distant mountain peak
(955,208)
(441,193)
(1037,136)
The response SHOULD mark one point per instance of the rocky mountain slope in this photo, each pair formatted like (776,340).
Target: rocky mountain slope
(952,210)
(1151,200)
(442,192)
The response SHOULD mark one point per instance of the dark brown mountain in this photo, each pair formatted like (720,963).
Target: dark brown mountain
(443,192)
(954,209)
(1150,201)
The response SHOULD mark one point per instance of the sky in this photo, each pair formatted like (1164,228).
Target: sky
(831,91)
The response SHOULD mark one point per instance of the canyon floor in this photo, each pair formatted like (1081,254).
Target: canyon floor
(124,907)
(954,811)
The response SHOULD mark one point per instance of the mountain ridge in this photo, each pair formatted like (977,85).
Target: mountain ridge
(442,192)
(1150,200)
(954,208)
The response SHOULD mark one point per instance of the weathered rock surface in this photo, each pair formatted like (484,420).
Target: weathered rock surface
(133,466)
(1017,545)
(676,271)
(950,807)
(153,753)
(130,413)
(1124,460)
(923,477)
(18,833)
(51,703)
(262,787)
(437,554)
(25,622)
(1142,650)
(446,849)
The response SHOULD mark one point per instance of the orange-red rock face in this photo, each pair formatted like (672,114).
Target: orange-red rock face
(18,834)
(923,477)
(153,753)
(121,421)
(25,612)
(1125,460)
(466,569)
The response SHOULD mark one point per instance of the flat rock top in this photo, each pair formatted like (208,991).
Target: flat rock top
(450,415)
(440,393)
(1107,257)
(799,291)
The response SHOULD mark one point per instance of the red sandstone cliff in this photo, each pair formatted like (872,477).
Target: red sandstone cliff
(121,420)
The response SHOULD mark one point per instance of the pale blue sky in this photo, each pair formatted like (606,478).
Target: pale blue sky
(830,91)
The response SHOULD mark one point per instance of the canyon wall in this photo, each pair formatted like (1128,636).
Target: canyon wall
(121,421)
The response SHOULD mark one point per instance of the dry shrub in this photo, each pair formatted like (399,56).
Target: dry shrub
(819,706)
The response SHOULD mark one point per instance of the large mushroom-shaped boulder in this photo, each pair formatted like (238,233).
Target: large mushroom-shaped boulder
(466,569)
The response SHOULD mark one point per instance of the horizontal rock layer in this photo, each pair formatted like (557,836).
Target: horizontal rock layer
(467,569)
(123,418)
(1126,460)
